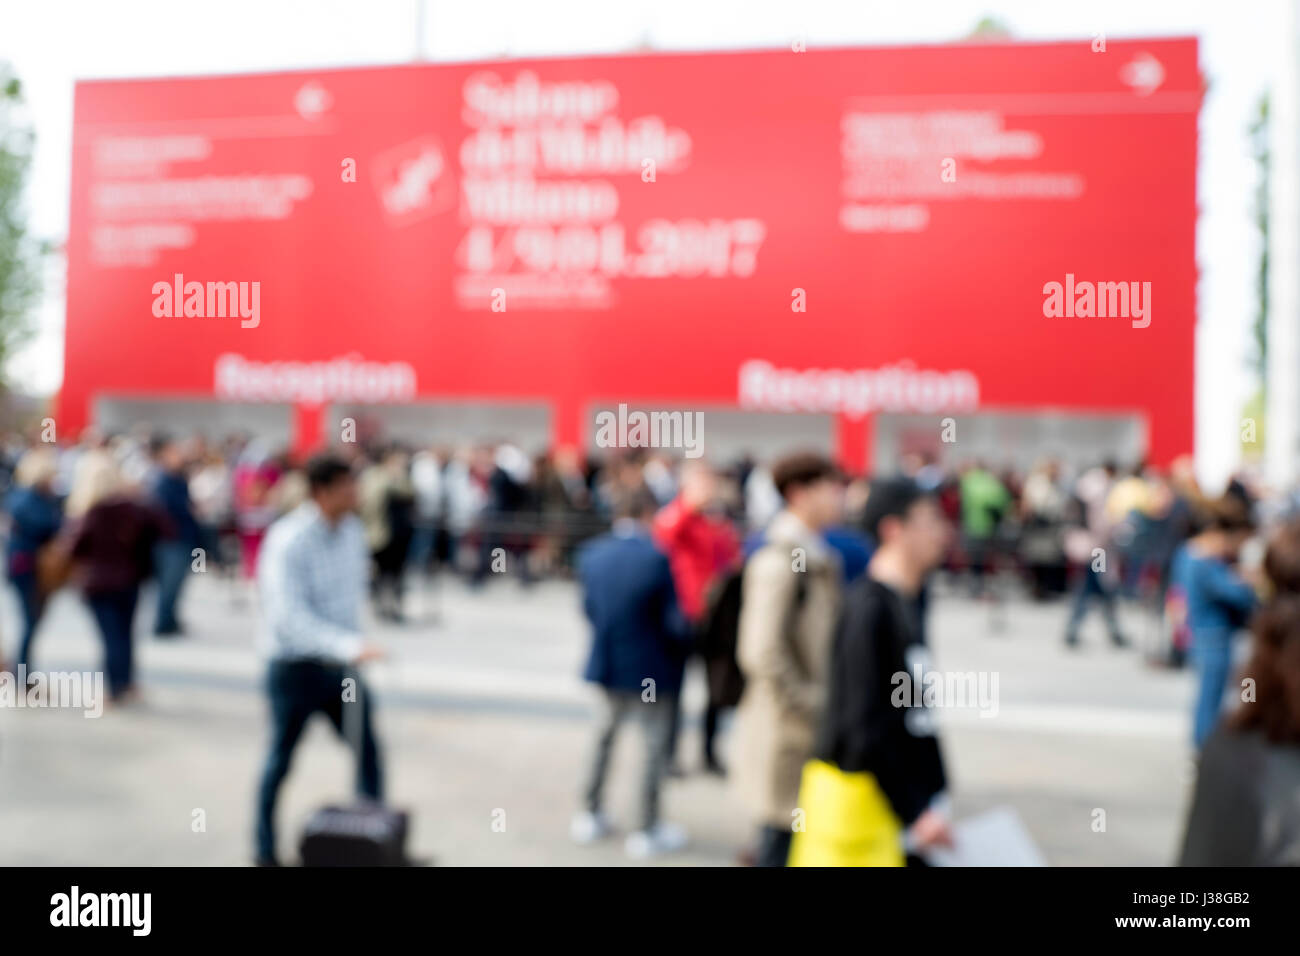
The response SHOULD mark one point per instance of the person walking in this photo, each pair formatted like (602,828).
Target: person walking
(984,502)
(212,494)
(875,787)
(564,501)
(1086,545)
(112,553)
(312,574)
(505,529)
(387,509)
(700,546)
(1244,810)
(255,475)
(172,556)
(34,521)
(1217,603)
(638,649)
(429,489)
(1043,507)
(466,477)
(789,601)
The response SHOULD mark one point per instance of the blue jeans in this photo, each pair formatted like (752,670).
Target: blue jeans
(114,613)
(422,541)
(171,561)
(1212,656)
(1091,588)
(32,603)
(298,689)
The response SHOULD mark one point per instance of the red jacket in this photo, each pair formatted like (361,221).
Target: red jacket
(699,548)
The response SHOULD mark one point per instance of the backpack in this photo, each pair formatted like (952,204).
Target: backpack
(719,634)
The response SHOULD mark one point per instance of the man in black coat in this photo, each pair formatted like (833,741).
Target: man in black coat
(869,726)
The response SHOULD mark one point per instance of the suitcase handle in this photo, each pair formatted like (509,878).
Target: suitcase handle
(354,718)
(354,711)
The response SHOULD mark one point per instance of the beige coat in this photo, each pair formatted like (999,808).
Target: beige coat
(784,658)
(377,483)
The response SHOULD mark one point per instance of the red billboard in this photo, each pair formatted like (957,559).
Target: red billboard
(924,229)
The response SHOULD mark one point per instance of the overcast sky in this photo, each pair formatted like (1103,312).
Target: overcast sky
(51,43)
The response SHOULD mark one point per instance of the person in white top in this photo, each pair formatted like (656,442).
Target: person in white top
(312,576)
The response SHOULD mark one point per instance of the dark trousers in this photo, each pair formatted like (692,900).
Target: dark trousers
(298,689)
(1090,589)
(114,612)
(492,538)
(674,731)
(979,552)
(712,712)
(210,542)
(773,846)
(655,717)
(424,548)
(32,603)
(390,566)
(171,565)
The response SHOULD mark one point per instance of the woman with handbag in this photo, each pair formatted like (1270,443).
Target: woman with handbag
(111,549)
(35,518)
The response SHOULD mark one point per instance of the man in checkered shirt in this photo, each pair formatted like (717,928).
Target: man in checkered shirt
(312,576)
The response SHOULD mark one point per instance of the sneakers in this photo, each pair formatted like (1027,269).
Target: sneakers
(661,838)
(587,827)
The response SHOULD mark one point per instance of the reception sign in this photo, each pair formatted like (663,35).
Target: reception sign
(849,231)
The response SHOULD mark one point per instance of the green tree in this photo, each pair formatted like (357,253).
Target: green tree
(1259,148)
(20,252)
(988,30)
(1257,405)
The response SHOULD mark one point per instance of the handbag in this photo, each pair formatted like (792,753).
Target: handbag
(847,820)
(53,564)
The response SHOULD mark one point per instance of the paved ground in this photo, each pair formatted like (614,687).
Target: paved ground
(481,713)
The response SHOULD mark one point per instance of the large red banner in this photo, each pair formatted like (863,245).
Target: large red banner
(932,229)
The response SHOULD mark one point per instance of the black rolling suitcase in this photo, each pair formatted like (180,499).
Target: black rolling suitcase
(360,833)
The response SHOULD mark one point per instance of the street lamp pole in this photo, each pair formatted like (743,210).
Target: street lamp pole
(1282,443)
(421,18)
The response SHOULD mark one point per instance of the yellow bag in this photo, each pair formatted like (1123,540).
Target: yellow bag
(847,821)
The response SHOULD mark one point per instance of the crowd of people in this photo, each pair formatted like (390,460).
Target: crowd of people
(810,638)
(802,593)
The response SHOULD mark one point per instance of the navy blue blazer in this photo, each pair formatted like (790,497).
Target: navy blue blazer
(638,630)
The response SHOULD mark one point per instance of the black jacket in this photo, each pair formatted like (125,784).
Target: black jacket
(862,728)
(1246,809)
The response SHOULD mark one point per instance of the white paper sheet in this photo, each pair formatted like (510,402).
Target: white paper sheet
(994,838)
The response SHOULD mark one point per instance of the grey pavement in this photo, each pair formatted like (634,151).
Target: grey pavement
(483,719)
